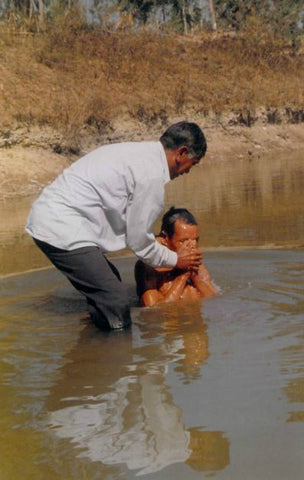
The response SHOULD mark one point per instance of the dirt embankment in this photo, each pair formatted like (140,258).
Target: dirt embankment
(29,159)
(85,88)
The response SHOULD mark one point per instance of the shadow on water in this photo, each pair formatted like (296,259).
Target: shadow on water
(193,390)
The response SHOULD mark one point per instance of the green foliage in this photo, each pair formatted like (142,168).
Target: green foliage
(67,16)
(140,9)
(233,13)
(281,16)
(179,14)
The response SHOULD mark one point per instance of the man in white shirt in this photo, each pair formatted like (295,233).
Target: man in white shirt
(109,200)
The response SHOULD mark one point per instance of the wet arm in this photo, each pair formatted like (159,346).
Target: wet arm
(202,282)
(152,296)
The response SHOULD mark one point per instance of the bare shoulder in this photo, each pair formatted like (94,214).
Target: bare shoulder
(145,277)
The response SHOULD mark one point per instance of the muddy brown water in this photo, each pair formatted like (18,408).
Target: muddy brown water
(248,202)
(211,389)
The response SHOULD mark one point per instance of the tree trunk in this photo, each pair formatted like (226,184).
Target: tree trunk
(41,12)
(212,15)
(184,17)
(30,8)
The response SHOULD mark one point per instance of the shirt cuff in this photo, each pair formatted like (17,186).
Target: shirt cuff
(172,259)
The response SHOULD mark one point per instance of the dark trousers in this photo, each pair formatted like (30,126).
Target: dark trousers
(94,276)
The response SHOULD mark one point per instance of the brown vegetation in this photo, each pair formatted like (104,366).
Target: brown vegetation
(71,87)
(78,80)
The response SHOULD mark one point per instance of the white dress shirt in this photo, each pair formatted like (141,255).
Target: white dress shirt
(109,198)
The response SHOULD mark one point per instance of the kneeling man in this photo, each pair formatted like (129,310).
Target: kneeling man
(179,232)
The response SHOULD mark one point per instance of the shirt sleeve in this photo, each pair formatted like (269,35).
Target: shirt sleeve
(144,206)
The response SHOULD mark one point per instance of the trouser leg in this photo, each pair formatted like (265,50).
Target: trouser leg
(95,277)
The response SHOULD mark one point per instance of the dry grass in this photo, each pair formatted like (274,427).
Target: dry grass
(71,78)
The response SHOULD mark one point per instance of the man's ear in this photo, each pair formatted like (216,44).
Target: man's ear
(182,150)
(163,239)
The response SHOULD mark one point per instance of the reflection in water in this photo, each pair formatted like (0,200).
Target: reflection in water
(17,250)
(290,302)
(293,368)
(123,411)
(209,451)
(246,202)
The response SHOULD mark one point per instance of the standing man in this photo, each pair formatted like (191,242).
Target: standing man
(109,200)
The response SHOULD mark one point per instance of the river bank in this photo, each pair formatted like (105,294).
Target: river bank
(31,158)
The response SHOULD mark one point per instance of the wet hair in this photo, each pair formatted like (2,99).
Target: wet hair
(171,217)
(185,134)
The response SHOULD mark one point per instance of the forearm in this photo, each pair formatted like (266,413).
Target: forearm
(155,255)
(206,289)
(176,289)
(142,211)
(204,285)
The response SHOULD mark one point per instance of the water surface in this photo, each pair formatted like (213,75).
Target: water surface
(247,202)
(194,390)
(211,389)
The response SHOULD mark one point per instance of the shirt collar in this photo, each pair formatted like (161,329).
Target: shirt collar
(165,164)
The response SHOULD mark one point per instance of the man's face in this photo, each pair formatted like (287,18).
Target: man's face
(183,232)
(182,163)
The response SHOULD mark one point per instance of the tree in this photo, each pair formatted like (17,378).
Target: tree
(282,16)
(185,13)
(23,9)
(212,14)
(139,9)
(233,13)
(188,11)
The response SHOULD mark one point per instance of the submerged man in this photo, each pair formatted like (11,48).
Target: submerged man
(109,200)
(179,232)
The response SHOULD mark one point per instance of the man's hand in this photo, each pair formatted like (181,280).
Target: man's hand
(188,257)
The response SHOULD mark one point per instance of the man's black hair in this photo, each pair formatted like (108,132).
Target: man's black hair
(171,216)
(185,134)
